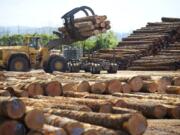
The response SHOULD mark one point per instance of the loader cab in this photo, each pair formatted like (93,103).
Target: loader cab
(34,42)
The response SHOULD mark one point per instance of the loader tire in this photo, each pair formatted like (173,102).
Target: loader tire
(56,63)
(18,63)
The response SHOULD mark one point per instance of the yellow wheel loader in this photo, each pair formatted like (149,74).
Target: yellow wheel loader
(30,55)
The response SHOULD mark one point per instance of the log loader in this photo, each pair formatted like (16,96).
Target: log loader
(33,55)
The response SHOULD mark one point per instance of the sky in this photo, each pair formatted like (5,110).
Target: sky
(125,15)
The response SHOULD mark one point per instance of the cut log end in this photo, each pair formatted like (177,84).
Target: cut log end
(160,111)
(12,128)
(136,125)
(34,89)
(84,86)
(136,83)
(34,119)
(53,88)
(98,88)
(114,86)
(126,88)
(15,108)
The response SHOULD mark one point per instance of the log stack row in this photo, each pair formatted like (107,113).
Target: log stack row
(85,27)
(166,59)
(78,111)
(56,87)
(143,42)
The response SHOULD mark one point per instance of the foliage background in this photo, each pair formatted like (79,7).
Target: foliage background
(106,40)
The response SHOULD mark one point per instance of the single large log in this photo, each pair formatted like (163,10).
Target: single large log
(98,87)
(11,127)
(164,98)
(114,86)
(135,124)
(136,83)
(97,19)
(16,92)
(70,126)
(83,24)
(53,88)
(72,107)
(82,86)
(87,128)
(33,89)
(95,105)
(11,107)
(150,110)
(34,118)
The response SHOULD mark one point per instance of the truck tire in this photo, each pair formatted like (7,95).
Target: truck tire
(95,70)
(56,63)
(18,63)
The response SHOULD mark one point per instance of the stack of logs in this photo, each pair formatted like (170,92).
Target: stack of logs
(164,84)
(142,42)
(86,108)
(86,27)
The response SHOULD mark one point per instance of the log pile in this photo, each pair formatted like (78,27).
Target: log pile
(166,59)
(17,119)
(90,107)
(86,27)
(146,41)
